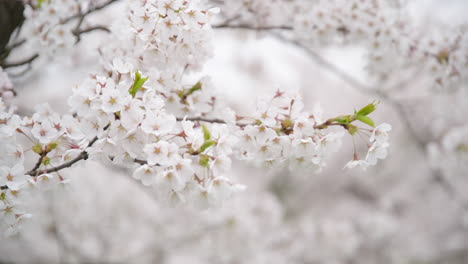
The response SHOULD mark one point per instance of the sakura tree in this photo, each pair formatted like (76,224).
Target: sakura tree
(149,109)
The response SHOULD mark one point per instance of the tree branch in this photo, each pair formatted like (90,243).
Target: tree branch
(20,63)
(82,156)
(77,32)
(251,27)
(357,85)
(90,11)
(90,29)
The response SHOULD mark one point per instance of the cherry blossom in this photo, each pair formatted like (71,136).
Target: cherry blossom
(148,108)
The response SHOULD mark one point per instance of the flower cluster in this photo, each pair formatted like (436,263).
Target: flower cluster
(450,155)
(47,137)
(45,25)
(270,13)
(443,55)
(377,147)
(329,22)
(145,112)
(132,126)
(169,34)
(53,25)
(167,40)
(397,49)
(284,132)
(139,119)
(11,172)
(6,87)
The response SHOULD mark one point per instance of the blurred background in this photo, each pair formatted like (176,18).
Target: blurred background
(407,209)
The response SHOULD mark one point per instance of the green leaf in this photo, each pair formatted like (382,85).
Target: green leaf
(287,123)
(46,161)
(194,88)
(206,133)
(366,110)
(207,144)
(352,129)
(365,120)
(137,84)
(343,119)
(37,148)
(39,3)
(2,196)
(462,148)
(204,160)
(51,146)
(181,93)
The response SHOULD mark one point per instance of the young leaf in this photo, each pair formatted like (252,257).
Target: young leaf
(206,133)
(46,161)
(204,159)
(366,110)
(137,84)
(206,145)
(39,3)
(37,148)
(352,129)
(194,88)
(343,119)
(365,120)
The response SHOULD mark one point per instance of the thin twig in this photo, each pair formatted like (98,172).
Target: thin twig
(82,156)
(20,63)
(77,33)
(38,163)
(8,49)
(207,120)
(92,10)
(251,27)
(90,29)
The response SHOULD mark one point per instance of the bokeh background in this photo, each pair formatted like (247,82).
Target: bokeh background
(401,211)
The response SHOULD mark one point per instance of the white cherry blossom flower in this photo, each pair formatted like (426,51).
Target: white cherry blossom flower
(13,177)
(44,131)
(146,174)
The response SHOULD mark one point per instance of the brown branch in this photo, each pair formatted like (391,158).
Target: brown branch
(77,32)
(82,156)
(207,120)
(90,29)
(251,27)
(10,48)
(344,76)
(90,11)
(362,88)
(324,125)
(38,163)
(21,63)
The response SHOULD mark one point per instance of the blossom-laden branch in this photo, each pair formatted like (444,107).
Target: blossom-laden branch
(131,118)
(350,80)
(82,156)
(343,121)
(442,57)
(47,29)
